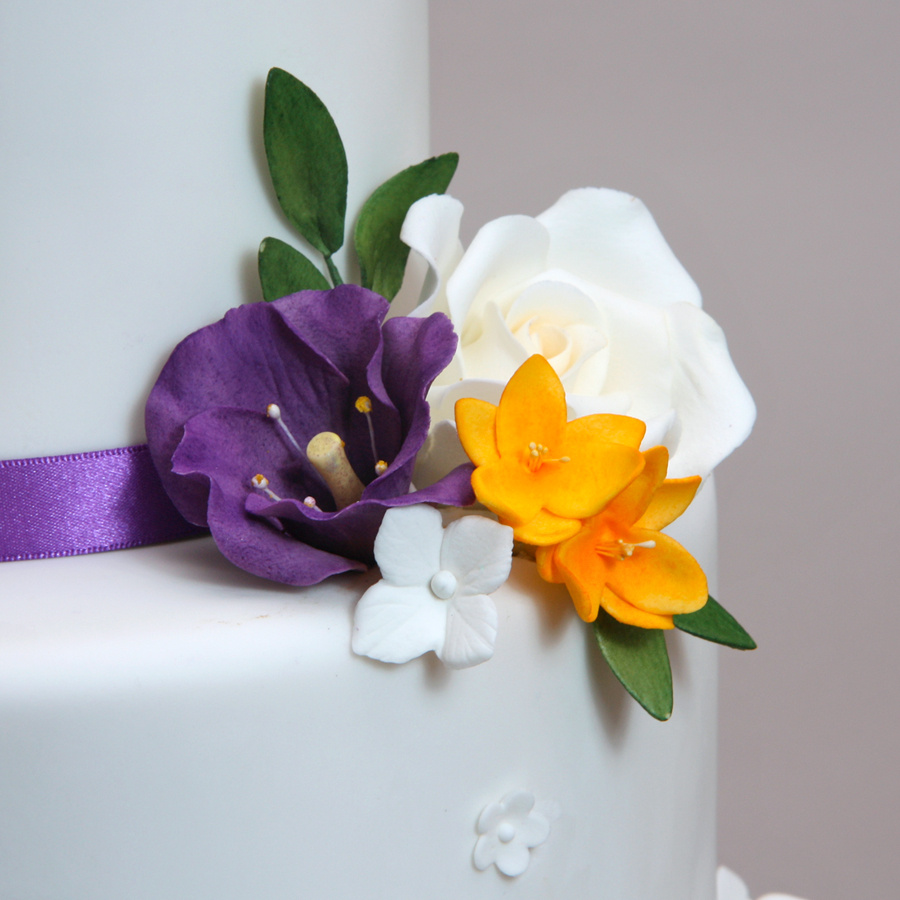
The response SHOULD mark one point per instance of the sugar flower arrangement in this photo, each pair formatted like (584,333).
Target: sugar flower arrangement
(576,388)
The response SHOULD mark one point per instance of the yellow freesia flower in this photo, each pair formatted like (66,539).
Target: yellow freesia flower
(619,560)
(539,473)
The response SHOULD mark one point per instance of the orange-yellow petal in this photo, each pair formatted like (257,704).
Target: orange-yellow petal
(584,572)
(532,409)
(664,579)
(630,504)
(545,557)
(476,424)
(507,489)
(618,429)
(596,472)
(630,615)
(669,501)
(546,529)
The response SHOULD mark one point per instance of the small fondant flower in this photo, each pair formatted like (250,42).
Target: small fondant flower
(432,595)
(620,560)
(538,472)
(290,427)
(730,887)
(592,285)
(508,831)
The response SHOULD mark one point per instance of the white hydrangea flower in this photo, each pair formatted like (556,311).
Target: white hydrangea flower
(508,831)
(730,887)
(434,586)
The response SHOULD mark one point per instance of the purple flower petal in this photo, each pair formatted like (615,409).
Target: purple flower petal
(313,354)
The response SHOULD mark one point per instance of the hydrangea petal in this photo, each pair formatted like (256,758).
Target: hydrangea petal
(485,852)
(478,551)
(611,238)
(396,624)
(471,631)
(408,544)
(512,858)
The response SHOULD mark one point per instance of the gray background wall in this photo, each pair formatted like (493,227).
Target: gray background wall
(764,138)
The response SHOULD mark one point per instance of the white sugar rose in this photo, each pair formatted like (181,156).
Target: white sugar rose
(592,285)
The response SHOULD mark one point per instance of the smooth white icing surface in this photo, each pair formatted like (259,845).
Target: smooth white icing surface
(173,727)
(134,191)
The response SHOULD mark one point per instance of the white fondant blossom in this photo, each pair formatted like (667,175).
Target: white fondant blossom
(433,592)
(730,887)
(508,831)
(592,285)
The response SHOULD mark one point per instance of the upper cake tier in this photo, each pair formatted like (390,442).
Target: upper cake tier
(134,190)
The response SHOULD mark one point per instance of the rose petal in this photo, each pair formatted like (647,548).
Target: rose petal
(715,409)
(506,252)
(609,237)
(431,229)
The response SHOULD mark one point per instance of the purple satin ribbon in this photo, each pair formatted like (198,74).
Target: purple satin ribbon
(84,503)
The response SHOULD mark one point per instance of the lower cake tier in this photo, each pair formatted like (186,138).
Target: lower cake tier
(174,728)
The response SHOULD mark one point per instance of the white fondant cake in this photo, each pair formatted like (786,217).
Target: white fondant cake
(171,726)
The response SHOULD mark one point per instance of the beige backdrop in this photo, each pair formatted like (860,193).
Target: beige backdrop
(764,138)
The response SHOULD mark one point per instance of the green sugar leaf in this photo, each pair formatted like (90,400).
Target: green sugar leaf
(306,161)
(382,255)
(714,623)
(284,270)
(640,660)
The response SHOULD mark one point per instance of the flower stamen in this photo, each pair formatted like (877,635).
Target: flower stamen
(620,549)
(537,457)
(364,405)
(261,483)
(273,411)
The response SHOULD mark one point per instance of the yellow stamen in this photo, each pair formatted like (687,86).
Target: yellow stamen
(326,452)
(261,483)
(381,467)
(537,457)
(364,405)
(620,549)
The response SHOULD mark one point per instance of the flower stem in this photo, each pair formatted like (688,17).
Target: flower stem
(333,271)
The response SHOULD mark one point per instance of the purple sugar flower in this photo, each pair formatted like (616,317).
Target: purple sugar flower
(230,418)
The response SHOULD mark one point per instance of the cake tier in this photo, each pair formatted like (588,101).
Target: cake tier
(134,191)
(174,728)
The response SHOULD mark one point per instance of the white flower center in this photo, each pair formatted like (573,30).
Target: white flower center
(506,832)
(443,585)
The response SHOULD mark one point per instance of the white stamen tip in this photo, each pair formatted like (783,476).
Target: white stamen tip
(381,467)
(311,503)
(273,411)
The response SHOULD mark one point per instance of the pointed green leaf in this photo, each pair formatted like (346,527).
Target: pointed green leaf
(284,270)
(382,255)
(306,161)
(714,623)
(639,659)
